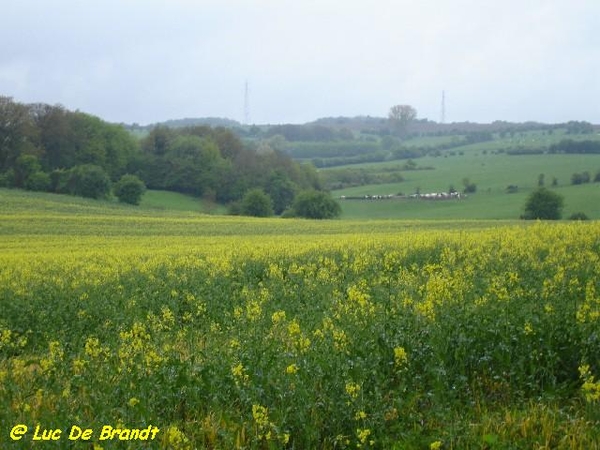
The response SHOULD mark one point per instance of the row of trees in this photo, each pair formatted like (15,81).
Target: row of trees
(49,148)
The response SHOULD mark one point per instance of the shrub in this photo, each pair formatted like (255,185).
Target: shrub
(580,178)
(470,188)
(38,181)
(543,204)
(315,205)
(89,180)
(7,179)
(25,166)
(257,203)
(579,216)
(129,189)
(59,181)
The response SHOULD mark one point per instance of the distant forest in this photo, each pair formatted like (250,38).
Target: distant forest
(49,148)
(46,148)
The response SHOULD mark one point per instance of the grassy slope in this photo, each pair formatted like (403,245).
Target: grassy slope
(41,214)
(153,202)
(492,173)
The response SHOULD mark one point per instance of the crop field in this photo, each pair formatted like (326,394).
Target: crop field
(179,331)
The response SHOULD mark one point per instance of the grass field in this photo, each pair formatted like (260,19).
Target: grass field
(492,173)
(226,332)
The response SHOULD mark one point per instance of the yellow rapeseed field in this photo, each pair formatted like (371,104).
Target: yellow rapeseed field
(183,332)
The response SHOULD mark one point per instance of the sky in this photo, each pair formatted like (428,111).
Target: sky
(146,61)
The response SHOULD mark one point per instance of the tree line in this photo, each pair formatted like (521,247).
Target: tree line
(49,148)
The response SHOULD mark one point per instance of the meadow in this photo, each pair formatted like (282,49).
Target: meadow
(185,331)
(491,172)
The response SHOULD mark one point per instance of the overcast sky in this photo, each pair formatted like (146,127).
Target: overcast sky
(151,60)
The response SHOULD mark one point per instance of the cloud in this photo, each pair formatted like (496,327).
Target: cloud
(145,61)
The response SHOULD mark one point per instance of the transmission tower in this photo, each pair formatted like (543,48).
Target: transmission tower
(246,104)
(443,113)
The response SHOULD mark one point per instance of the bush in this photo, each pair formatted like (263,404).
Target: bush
(257,203)
(129,189)
(38,181)
(59,181)
(25,166)
(543,204)
(315,205)
(7,179)
(580,178)
(470,188)
(579,216)
(89,180)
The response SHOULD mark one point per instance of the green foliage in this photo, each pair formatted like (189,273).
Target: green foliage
(15,128)
(59,181)
(6,179)
(204,161)
(580,178)
(313,204)
(579,127)
(25,166)
(38,181)
(257,203)
(129,189)
(89,180)
(576,147)
(544,204)
(469,188)
(281,190)
(579,216)
(361,176)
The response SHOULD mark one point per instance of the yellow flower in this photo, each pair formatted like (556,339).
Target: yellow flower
(360,415)
(400,357)
(92,347)
(260,414)
(435,445)
(133,402)
(175,439)
(590,388)
(363,434)
(278,316)
(352,389)
(291,369)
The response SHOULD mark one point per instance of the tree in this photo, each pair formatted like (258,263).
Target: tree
(257,203)
(24,167)
(544,204)
(313,204)
(129,189)
(400,116)
(89,180)
(281,190)
(470,188)
(580,178)
(16,132)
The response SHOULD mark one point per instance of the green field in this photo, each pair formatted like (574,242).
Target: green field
(492,173)
(225,332)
